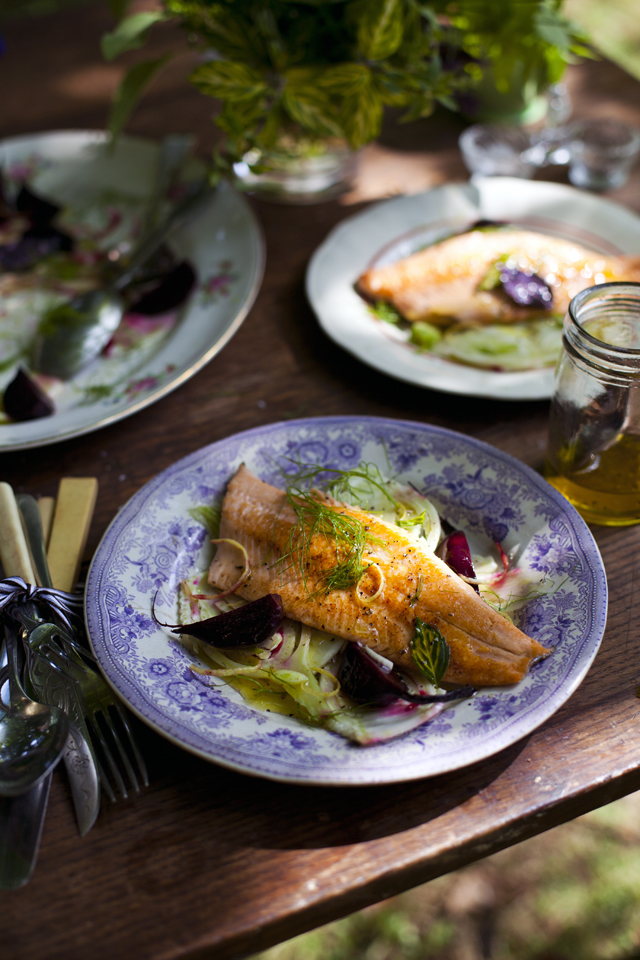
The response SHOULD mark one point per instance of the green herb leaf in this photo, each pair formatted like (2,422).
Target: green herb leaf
(385,311)
(380,28)
(130,90)
(491,279)
(430,652)
(229,80)
(308,104)
(345,79)
(231,34)
(129,34)
(362,116)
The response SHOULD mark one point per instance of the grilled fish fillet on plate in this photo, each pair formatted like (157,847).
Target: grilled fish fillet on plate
(406,582)
(442,283)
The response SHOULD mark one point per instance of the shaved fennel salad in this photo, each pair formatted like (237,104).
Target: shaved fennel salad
(299,671)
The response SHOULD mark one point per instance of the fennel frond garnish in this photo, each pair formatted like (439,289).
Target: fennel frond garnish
(361,487)
(346,534)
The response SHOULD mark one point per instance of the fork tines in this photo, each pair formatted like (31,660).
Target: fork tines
(117,754)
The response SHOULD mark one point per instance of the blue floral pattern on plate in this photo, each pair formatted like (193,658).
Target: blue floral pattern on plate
(154,543)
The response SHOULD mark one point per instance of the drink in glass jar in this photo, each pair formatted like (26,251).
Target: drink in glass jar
(593,454)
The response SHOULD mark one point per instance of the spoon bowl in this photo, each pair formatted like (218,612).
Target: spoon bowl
(72,334)
(32,735)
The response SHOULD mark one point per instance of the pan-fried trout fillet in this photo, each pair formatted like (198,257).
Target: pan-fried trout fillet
(486,649)
(441,284)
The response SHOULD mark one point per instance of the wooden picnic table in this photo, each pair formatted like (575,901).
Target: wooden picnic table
(207,862)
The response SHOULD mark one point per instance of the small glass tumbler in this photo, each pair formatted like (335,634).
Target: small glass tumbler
(602,153)
(593,454)
(492,150)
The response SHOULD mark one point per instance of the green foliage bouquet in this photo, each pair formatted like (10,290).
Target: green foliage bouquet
(516,49)
(285,69)
(292,74)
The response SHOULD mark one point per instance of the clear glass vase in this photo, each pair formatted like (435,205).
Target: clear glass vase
(298,170)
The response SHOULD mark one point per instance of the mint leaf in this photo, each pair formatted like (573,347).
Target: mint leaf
(308,104)
(345,79)
(362,116)
(228,80)
(380,28)
(430,652)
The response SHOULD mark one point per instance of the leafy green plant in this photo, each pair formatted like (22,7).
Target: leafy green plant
(531,34)
(316,68)
(290,73)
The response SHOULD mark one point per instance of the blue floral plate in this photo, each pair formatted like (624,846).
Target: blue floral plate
(154,543)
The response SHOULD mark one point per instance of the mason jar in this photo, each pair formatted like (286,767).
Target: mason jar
(593,454)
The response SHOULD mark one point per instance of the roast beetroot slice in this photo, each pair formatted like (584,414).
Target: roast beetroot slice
(455,552)
(365,680)
(525,289)
(246,626)
(36,244)
(38,210)
(170,292)
(25,400)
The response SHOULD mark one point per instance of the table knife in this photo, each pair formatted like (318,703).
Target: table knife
(82,771)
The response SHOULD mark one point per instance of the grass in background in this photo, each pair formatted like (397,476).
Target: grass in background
(570,894)
(614,26)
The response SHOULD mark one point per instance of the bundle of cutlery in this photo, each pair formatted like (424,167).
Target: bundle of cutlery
(50,674)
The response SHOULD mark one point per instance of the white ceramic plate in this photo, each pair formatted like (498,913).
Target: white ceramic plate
(396,228)
(224,243)
(154,543)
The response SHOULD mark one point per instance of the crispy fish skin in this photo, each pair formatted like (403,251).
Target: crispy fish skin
(486,649)
(440,284)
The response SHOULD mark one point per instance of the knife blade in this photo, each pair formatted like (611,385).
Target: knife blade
(82,771)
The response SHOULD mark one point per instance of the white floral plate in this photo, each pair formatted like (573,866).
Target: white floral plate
(396,228)
(153,544)
(79,170)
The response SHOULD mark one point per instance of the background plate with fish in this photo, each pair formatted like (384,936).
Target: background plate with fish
(394,229)
(154,543)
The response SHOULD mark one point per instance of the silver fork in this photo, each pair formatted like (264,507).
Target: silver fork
(99,704)
(104,715)
(106,720)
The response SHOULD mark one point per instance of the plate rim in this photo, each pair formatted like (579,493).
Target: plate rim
(404,373)
(553,702)
(163,389)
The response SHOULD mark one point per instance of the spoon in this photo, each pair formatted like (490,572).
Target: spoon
(32,735)
(73,334)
